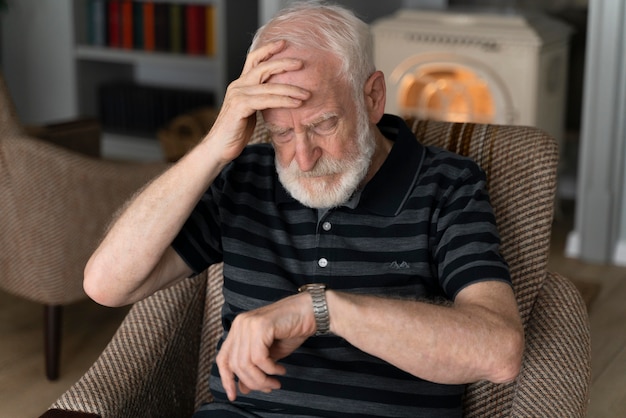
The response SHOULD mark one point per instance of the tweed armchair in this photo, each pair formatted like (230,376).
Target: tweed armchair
(158,362)
(55,205)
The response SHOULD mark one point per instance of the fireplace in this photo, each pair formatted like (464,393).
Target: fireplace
(485,67)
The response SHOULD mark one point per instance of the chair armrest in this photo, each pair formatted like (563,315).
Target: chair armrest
(59,413)
(556,371)
(150,366)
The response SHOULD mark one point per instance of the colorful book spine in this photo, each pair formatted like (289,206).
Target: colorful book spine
(176,28)
(96,23)
(162,26)
(149,37)
(195,29)
(152,25)
(210,27)
(138,29)
(127,24)
(114,33)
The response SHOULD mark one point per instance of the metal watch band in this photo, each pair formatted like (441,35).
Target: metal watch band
(320,308)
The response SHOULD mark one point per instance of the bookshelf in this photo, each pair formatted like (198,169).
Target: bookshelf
(99,62)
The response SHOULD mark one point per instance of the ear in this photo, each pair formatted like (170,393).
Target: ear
(375,96)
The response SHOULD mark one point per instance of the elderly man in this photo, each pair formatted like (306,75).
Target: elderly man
(362,275)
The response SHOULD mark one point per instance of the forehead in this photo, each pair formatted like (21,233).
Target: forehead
(319,75)
(320,69)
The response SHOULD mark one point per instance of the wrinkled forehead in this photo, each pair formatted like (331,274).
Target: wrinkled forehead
(320,69)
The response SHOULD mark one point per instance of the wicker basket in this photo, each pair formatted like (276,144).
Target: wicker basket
(185,131)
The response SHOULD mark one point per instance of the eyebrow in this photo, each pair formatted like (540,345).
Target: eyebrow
(275,128)
(322,118)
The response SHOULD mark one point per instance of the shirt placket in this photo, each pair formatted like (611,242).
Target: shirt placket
(324,234)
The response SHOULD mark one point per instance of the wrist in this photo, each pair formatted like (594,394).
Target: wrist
(211,153)
(317,291)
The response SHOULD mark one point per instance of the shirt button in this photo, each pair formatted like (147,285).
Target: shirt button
(326,226)
(322,262)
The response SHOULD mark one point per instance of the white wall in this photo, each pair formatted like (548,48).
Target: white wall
(367,10)
(37,48)
(600,224)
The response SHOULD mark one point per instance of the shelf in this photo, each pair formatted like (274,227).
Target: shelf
(96,65)
(134,57)
(130,148)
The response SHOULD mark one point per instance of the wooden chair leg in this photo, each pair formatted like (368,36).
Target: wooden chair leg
(52,339)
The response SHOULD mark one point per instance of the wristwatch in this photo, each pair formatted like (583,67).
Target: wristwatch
(320,308)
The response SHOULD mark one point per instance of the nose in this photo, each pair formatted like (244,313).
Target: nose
(307,153)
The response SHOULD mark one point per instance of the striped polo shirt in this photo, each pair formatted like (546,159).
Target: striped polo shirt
(422,228)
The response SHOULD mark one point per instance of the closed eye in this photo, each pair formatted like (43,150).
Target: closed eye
(326,126)
(281,135)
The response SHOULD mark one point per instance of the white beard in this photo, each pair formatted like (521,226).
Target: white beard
(331,182)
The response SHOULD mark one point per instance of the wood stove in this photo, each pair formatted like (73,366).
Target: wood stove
(488,67)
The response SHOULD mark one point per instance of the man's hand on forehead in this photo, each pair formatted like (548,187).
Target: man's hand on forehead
(251,93)
(273,57)
(261,65)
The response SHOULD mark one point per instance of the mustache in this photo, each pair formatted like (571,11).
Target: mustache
(324,167)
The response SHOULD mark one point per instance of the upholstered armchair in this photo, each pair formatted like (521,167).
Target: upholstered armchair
(54,207)
(158,362)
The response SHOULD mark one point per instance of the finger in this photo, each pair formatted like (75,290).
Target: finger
(250,375)
(276,94)
(259,376)
(272,384)
(262,54)
(227,377)
(238,114)
(264,71)
(230,385)
(240,91)
(254,379)
(252,365)
(270,367)
(243,102)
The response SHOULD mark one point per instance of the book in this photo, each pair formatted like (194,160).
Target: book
(152,25)
(127,24)
(138,29)
(127,107)
(96,23)
(114,34)
(210,27)
(149,38)
(162,26)
(195,29)
(176,28)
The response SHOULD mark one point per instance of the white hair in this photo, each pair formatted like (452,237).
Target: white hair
(321,26)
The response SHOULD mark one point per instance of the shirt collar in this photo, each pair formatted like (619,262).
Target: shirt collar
(386,193)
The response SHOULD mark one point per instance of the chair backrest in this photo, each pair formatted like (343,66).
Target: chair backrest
(46,218)
(520,163)
(54,206)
